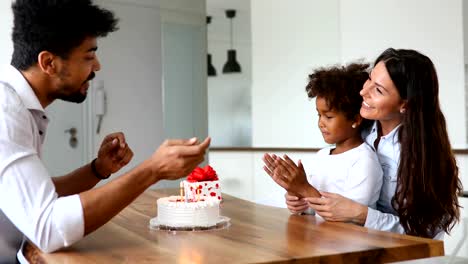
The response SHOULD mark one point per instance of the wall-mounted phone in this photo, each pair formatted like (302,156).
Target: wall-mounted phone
(99,104)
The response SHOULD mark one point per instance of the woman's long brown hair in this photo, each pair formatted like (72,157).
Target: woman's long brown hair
(426,196)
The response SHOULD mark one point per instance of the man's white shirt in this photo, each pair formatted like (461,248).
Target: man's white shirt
(29,204)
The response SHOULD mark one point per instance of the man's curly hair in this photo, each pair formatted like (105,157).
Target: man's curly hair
(340,87)
(56,26)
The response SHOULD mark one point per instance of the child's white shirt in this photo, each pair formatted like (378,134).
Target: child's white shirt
(355,174)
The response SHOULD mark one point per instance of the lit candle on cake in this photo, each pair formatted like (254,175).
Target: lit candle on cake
(181,185)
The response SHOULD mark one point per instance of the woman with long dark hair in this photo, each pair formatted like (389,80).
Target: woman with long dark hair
(421,183)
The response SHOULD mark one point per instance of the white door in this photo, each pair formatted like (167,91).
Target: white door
(65,147)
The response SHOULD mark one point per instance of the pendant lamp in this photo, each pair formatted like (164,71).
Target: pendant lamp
(211,68)
(231,66)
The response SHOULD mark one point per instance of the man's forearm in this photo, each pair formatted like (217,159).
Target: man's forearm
(77,181)
(103,203)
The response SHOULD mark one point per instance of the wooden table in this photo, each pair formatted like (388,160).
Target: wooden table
(435,260)
(257,234)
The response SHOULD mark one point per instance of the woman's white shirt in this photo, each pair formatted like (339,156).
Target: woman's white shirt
(388,151)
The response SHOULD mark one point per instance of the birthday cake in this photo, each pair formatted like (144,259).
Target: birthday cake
(175,211)
(202,182)
(197,206)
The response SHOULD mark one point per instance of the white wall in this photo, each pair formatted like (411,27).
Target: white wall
(229,95)
(465,30)
(184,70)
(131,71)
(433,27)
(465,51)
(288,41)
(6,25)
(133,67)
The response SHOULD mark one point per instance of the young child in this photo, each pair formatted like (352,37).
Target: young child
(349,167)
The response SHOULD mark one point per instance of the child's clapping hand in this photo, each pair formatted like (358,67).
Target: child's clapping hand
(295,204)
(287,174)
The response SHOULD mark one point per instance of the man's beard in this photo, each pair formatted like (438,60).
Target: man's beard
(76,97)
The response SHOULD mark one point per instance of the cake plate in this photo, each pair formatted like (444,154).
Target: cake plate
(223,222)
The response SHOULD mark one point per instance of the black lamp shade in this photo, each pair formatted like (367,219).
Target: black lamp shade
(211,68)
(231,66)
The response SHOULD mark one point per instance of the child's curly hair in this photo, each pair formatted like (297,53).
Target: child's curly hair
(340,87)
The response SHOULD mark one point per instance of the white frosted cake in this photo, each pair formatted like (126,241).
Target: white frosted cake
(174,212)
